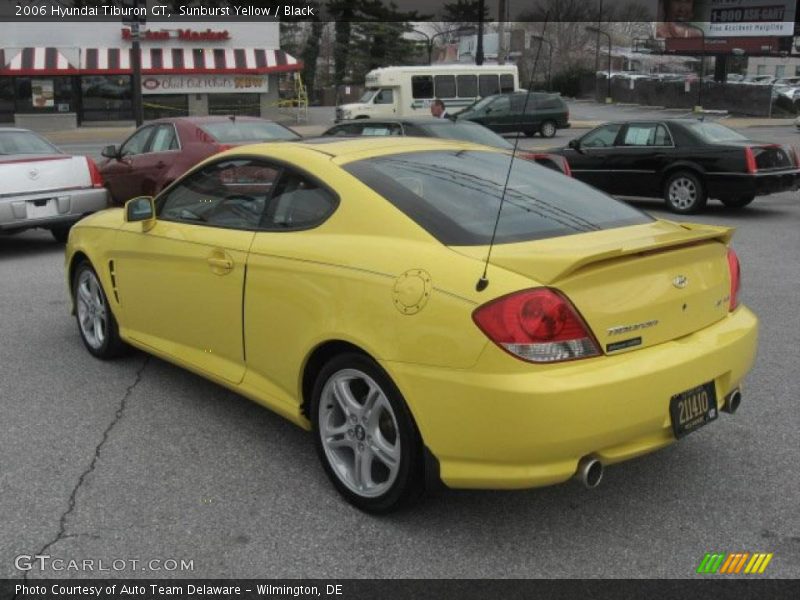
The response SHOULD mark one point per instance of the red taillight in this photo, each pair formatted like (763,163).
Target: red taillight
(94,173)
(565,163)
(537,325)
(543,159)
(750,160)
(795,154)
(736,278)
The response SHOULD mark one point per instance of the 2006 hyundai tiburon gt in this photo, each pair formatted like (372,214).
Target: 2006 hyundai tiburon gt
(336,282)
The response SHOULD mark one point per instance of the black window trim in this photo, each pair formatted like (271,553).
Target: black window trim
(281,165)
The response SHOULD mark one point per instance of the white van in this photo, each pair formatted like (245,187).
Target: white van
(408,91)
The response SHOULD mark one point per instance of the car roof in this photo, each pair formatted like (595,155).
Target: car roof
(345,149)
(209,119)
(680,121)
(412,120)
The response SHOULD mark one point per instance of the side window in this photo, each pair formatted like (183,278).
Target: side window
(298,203)
(488,85)
(467,86)
(662,137)
(382,129)
(506,83)
(384,97)
(349,129)
(445,86)
(422,86)
(501,105)
(164,139)
(602,137)
(647,134)
(231,194)
(518,103)
(137,143)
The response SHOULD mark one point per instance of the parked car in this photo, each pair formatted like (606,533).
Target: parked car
(160,151)
(760,79)
(442,128)
(348,286)
(503,113)
(44,187)
(685,161)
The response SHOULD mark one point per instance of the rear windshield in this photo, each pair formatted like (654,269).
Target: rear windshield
(455,196)
(237,132)
(469,132)
(714,132)
(25,142)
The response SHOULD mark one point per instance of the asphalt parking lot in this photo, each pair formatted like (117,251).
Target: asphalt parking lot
(139,460)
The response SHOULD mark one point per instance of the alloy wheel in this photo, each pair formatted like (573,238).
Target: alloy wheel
(359,432)
(92,310)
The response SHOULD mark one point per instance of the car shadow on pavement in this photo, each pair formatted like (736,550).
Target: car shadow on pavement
(755,211)
(28,243)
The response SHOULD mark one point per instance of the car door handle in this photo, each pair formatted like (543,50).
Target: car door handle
(220,265)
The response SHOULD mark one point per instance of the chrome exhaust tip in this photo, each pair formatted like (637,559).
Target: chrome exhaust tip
(590,472)
(732,402)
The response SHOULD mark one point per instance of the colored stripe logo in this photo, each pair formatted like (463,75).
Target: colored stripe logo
(734,563)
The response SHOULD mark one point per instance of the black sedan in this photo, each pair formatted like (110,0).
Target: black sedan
(443,128)
(684,161)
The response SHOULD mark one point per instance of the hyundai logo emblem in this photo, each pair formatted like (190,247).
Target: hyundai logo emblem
(680,281)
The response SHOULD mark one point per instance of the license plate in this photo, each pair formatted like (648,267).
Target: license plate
(38,209)
(693,408)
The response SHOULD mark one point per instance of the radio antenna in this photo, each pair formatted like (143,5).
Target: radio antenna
(483,282)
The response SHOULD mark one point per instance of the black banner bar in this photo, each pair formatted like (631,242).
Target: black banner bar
(707,588)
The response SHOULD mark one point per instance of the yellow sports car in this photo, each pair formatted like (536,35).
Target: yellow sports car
(428,318)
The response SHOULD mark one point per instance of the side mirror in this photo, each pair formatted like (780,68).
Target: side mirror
(110,152)
(141,209)
(575,145)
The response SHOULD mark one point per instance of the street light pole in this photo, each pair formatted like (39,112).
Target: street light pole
(599,31)
(540,39)
(479,49)
(699,107)
(597,40)
(136,78)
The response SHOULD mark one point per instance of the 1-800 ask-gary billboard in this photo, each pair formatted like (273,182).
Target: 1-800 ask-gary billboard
(726,18)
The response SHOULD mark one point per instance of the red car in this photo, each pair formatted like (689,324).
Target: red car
(160,151)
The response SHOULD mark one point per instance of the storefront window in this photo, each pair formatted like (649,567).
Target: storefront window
(106,98)
(6,100)
(45,94)
(234,104)
(158,106)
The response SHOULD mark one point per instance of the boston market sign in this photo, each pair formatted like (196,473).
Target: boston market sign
(185,35)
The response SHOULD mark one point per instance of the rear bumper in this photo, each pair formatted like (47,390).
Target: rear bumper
(756,184)
(530,425)
(59,208)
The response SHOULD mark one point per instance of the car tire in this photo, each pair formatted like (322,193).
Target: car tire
(684,193)
(737,201)
(548,129)
(529,132)
(96,322)
(372,453)
(61,234)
